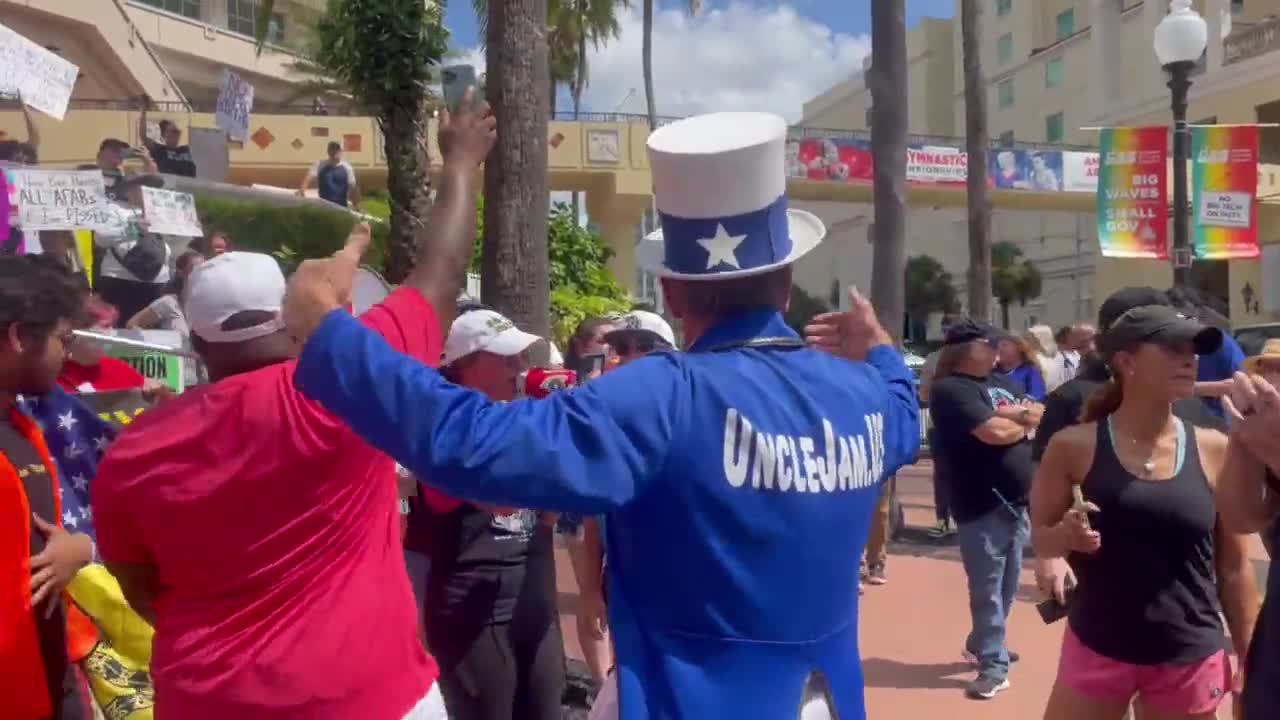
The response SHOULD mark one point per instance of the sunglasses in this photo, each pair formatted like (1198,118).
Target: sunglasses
(634,346)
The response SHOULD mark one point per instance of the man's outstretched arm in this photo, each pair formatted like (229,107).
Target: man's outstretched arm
(444,241)
(588,450)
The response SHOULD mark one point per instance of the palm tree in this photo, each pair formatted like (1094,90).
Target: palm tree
(513,267)
(887,80)
(1013,278)
(976,142)
(646,55)
(386,72)
(929,289)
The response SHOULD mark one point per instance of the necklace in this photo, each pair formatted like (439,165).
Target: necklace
(1148,465)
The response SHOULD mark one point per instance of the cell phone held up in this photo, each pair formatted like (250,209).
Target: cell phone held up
(589,365)
(541,382)
(455,80)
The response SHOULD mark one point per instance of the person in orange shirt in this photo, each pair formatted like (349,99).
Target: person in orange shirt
(41,635)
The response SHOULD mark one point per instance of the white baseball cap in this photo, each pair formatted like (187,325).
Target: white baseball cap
(643,321)
(229,284)
(484,331)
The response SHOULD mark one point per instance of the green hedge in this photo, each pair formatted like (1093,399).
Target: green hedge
(292,234)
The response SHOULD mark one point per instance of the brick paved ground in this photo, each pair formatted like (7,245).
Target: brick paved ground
(912,629)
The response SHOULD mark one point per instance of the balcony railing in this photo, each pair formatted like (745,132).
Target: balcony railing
(334,110)
(1251,42)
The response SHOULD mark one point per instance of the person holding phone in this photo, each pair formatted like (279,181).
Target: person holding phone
(1157,569)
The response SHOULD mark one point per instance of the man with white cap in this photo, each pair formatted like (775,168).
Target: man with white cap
(639,333)
(491,617)
(738,476)
(256,531)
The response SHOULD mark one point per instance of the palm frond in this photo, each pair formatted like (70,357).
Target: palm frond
(262,23)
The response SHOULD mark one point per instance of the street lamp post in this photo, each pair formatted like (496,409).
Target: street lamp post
(1180,40)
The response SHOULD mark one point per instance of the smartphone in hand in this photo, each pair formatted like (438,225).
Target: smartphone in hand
(455,80)
(589,365)
(1051,611)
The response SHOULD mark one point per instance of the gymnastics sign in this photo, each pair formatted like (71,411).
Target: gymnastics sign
(1132,186)
(1224,183)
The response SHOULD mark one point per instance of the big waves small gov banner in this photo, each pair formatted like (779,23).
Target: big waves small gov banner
(1224,182)
(1133,208)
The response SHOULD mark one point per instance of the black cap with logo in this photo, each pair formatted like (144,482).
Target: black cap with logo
(1158,324)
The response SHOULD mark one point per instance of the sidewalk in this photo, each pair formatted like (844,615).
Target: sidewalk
(913,628)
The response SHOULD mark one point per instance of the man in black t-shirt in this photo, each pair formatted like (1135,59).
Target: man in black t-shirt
(981,425)
(171,157)
(38,301)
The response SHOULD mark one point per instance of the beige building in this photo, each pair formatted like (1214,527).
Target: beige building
(1055,68)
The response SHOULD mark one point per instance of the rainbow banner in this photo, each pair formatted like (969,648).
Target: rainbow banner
(1133,212)
(1224,182)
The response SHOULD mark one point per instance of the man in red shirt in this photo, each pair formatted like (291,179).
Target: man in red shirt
(257,531)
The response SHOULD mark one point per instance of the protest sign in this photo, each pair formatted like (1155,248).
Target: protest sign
(1224,181)
(171,213)
(63,200)
(1133,211)
(152,364)
(235,102)
(42,79)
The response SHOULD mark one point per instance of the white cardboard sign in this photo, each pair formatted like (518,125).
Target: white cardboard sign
(235,102)
(41,78)
(171,213)
(64,200)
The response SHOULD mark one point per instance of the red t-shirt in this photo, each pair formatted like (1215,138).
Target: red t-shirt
(275,533)
(109,374)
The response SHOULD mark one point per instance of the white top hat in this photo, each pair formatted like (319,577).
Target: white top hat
(720,186)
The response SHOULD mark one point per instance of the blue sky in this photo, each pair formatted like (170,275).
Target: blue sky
(734,55)
(847,16)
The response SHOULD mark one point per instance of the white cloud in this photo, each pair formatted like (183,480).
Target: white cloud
(741,57)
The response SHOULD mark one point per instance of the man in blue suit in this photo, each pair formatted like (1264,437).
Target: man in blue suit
(738,476)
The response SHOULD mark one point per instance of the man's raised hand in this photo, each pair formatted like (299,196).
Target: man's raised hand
(850,334)
(320,286)
(467,134)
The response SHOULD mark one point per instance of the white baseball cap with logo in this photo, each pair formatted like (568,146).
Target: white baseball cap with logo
(230,284)
(484,331)
(644,322)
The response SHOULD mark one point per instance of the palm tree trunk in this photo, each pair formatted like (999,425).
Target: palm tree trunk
(580,84)
(976,141)
(887,80)
(1004,314)
(408,183)
(646,61)
(513,267)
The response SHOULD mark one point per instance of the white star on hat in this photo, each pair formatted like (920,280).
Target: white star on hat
(721,248)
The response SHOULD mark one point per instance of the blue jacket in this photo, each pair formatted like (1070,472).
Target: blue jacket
(739,484)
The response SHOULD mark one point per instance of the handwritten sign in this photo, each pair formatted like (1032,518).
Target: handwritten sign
(63,200)
(41,78)
(1225,209)
(235,101)
(171,213)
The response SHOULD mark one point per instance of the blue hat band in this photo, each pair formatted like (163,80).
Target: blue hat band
(709,246)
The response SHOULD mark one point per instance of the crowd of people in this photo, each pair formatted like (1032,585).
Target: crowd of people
(714,489)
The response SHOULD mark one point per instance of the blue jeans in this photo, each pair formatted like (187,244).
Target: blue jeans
(991,549)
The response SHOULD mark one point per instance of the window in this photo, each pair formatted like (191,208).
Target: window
(1054,128)
(185,8)
(1004,7)
(1004,48)
(1065,24)
(1005,93)
(1053,73)
(1006,139)
(240,19)
(240,14)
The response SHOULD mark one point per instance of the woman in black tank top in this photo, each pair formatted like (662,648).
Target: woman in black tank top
(1143,536)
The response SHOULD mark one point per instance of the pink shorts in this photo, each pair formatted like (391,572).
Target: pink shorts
(1186,689)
